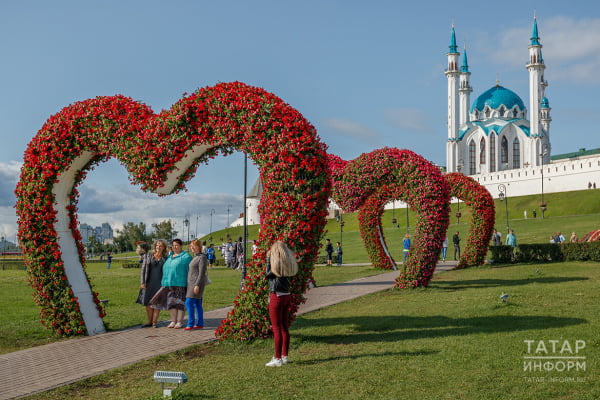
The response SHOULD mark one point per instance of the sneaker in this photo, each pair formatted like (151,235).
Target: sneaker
(171,325)
(275,362)
(178,325)
(188,328)
(285,360)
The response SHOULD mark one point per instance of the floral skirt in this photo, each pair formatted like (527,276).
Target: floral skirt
(168,298)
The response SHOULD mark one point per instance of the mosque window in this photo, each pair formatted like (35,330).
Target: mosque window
(487,112)
(502,111)
(482,151)
(492,152)
(515,112)
(516,154)
(504,151)
(472,158)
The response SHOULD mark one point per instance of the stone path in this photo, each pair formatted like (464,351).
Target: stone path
(42,368)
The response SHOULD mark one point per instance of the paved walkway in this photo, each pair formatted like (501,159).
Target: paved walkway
(42,368)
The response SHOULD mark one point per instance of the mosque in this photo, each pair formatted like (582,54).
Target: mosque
(494,142)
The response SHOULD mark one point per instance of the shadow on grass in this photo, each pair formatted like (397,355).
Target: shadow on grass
(486,283)
(394,328)
(357,356)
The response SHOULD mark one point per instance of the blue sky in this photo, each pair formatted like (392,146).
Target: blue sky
(365,74)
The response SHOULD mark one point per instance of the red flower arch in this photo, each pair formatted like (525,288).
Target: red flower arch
(161,152)
(374,178)
(483,217)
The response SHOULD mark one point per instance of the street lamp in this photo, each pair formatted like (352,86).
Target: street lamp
(186,223)
(504,197)
(229,206)
(3,250)
(212,212)
(341,221)
(542,155)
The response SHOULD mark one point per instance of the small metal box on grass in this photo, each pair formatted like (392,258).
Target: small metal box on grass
(169,377)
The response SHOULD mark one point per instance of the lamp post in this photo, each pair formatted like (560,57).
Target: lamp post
(3,250)
(341,221)
(458,213)
(245,218)
(543,203)
(186,224)
(407,224)
(504,197)
(229,206)
(212,212)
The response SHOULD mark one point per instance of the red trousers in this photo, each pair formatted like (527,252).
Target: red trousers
(279,312)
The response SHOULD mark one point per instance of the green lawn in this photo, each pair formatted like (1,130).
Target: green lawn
(453,340)
(19,321)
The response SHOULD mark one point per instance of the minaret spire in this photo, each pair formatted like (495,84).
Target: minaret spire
(465,89)
(453,75)
(539,110)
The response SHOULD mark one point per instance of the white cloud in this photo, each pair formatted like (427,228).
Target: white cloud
(352,129)
(572,46)
(9,175)
(408,118)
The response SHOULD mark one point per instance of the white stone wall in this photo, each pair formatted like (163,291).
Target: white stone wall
(559,176)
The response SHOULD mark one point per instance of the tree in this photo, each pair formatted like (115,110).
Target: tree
(125,238)
(163,230)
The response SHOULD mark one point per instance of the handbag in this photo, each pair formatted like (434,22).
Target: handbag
(140,297)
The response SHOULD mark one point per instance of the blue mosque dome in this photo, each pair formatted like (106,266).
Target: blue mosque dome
(497,96)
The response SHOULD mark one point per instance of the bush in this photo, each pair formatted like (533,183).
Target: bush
(546,252)
(501,254)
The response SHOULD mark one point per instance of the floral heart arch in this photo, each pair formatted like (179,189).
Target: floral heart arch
(371,180)
(162,152)
(367,183)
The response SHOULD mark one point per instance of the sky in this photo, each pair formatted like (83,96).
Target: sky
(366,74)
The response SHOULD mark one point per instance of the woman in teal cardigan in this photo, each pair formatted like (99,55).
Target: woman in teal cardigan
(171,295)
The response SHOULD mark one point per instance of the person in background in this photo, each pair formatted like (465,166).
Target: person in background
(108,260)
(511,239)
(329,251)
(228,254)
(210,255)
(196,281)
(281,265)
(171,295)
(497,238)
(405,246)
(573,238)
(444,248)
(456,243)
(151,275)
(339,252)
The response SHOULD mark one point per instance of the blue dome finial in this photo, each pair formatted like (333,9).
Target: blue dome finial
(535,39)
(453,47)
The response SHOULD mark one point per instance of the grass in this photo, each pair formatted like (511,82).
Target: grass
(19,320)
(453,340)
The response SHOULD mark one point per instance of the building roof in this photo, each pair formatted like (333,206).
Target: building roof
(496,125)
(496,97)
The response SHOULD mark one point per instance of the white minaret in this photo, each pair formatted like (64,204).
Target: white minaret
(464,92)
(539,114)
(452,73)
